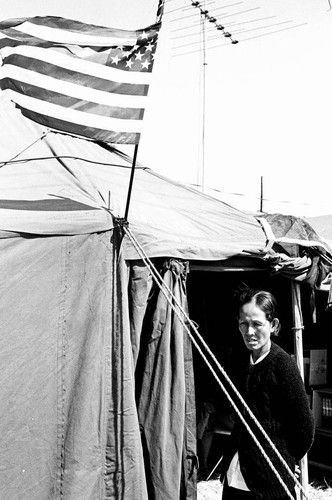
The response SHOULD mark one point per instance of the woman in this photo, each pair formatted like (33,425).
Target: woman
(271,385)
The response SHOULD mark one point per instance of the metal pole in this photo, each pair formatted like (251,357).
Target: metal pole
(298,351)
(201,160)
(261,203)
(131,182)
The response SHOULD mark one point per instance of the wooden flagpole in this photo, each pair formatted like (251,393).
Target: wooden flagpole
(160,11)
(131,181)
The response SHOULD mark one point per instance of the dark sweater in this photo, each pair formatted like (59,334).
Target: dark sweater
(274,391)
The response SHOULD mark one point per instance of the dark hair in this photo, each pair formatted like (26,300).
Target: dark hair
(263,299)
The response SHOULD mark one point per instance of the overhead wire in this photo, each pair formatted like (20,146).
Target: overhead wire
(187,7)
(230,25)
(211,29)
(207,15)
(242,40)
(196,23)
(67,157)
(237,32)
(254,197)
(223,16)
(184,17)
(241,31)
(252,20)
(240,12)
(12,160)
(140,167)
(226,6)
(276,31)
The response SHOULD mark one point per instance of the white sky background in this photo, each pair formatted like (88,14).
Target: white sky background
(268,99)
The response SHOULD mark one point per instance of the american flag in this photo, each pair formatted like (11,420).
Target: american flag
(86,80)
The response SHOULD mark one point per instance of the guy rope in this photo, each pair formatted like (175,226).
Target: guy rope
(189,326)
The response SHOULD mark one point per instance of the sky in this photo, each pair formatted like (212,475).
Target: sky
(237,121)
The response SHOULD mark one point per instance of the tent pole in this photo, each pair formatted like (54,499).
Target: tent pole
(131,182)
(298,351)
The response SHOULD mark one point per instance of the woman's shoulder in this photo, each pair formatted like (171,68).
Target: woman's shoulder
(279,353)
(282,361)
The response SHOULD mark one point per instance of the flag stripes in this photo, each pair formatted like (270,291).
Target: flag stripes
(16,64)
(82,79)
(98,134)
(71,89)
(67,31)
(72,59)
(75,103)
(72,115)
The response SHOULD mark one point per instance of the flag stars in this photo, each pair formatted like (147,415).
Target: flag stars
(115,59)
(149,47)
(144,36)
(138,57)
(146,64)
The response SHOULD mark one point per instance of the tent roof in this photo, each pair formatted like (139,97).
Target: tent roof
(56,184)
(52,183)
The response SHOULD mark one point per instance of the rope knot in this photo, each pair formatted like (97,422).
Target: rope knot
(120,222)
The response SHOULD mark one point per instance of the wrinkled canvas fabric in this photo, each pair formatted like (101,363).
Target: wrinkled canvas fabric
(69,427)
(167,218)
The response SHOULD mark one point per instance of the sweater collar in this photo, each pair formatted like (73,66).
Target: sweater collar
(266,359)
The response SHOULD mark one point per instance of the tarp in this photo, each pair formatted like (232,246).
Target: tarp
(295,249)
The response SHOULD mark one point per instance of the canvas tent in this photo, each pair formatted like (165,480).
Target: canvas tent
(97,378)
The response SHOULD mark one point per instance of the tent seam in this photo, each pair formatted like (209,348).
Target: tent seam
(61,362)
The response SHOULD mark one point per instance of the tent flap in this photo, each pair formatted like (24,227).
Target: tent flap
(166,395)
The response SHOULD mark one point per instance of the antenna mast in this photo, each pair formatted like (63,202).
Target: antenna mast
(201,166)
(261,198)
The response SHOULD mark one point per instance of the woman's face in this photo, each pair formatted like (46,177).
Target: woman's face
(255,329)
